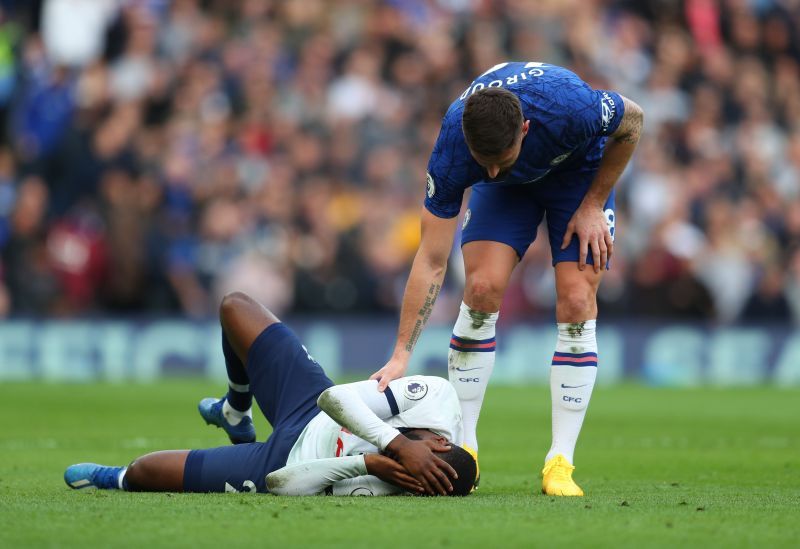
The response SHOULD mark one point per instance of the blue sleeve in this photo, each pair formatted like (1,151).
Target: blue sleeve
(448,170)
(596,113)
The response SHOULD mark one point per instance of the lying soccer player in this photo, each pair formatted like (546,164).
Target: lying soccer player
(342,440)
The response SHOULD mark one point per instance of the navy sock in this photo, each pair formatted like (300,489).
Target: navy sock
(239,396)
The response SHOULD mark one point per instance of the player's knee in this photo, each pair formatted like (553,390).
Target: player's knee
(137,474)
(576,305)
(483,294)
(231,304)
(577,301)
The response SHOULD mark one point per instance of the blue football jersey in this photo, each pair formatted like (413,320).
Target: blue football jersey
(568,124)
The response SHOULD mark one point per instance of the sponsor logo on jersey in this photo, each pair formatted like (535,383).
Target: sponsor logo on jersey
(415,390)
(608,109)
(559,159)
(467,217)
(430,187)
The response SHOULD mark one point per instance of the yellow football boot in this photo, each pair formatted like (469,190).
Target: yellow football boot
(474,453)
(557,478)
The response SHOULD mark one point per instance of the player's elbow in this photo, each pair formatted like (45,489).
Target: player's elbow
(332,401)
(635,113)
(434,259)
(276,483)
(434,254)
(324,398)
(328,399)
(630,128)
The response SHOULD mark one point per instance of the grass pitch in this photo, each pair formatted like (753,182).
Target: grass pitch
(660,467)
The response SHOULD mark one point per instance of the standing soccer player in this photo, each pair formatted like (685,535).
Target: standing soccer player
(531,139)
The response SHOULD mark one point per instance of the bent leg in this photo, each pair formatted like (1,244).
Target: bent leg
(470,360)
(488,267)
(576,292)
(574,367)
(243,319)
(285,379)
(282,376)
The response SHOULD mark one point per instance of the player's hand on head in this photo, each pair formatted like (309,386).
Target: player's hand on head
(419,458)
(388,470)
(392,370)
(589,224)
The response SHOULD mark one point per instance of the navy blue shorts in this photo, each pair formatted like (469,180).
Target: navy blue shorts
(285,382)
(511,213)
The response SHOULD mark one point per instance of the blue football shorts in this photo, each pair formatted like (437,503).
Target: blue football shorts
(511,214)
(285,382)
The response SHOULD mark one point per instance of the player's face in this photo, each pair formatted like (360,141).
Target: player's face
(502,163)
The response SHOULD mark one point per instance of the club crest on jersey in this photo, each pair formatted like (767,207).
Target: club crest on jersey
(415,390)
(430,187)
(467,217)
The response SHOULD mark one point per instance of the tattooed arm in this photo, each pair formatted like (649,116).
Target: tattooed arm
(422,289)
(589,223)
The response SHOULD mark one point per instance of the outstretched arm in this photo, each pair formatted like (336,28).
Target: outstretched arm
(422,289)
(589,222)
(369,474)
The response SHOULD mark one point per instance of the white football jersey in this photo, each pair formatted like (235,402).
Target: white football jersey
(422,402)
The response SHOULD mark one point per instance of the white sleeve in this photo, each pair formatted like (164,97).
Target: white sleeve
(312,477)
(368,485)
(406,393)
(361,408)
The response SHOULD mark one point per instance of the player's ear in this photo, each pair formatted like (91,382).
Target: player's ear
(525,126)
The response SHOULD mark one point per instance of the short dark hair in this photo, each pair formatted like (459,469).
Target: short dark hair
(465,466)
(459,459)
(492,120)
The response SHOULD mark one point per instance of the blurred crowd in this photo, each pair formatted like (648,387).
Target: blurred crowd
(156,154)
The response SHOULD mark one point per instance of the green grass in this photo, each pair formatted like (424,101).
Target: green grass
(660,467)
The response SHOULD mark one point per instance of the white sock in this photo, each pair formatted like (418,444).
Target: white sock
(234,416)
(469,365)
(572,378)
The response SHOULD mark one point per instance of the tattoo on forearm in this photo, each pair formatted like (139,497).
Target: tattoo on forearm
(423,315)
(630,127)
